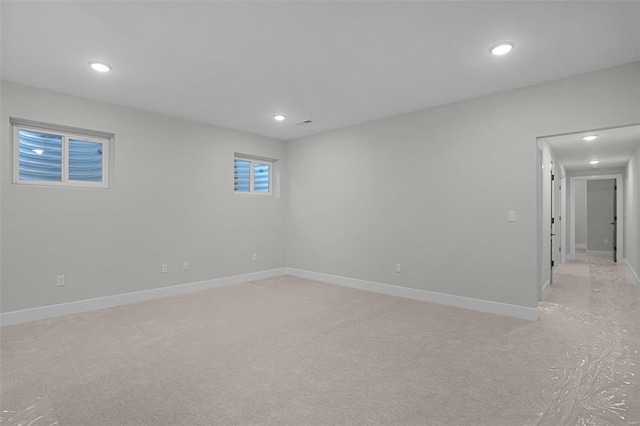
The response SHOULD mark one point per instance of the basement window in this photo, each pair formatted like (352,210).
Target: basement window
(253,175)
(53,155)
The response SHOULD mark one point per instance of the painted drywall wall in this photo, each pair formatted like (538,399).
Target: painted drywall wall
(171,200)
(581,212)
(431,189)
(600,212)
(632,212)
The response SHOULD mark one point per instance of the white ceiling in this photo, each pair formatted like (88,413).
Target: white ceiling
(235,64)
(613,148)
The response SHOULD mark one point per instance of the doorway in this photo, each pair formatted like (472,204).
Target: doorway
(551,214)
(568,158)
(600,203)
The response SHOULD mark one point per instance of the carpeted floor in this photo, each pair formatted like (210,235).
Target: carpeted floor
(292,351)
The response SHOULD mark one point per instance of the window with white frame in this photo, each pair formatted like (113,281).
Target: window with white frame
(252,175)
(53,155)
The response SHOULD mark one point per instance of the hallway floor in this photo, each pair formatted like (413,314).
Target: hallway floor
(597,306)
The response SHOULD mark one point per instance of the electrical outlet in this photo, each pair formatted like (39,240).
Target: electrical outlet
(512,216)
(255,257)
(397,267)
(185,266)
(165,268)
(60,280)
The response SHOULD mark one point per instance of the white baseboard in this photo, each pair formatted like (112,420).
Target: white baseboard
(43,312)
(545,289)
(632,273)
(554,272)
(581,246)
(600,252)
(50,311)
(427,296)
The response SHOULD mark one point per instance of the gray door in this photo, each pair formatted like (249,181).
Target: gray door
(601,217)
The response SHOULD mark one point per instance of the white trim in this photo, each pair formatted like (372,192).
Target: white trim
(572,217)
(539,215)
(50,311)
(555,273)
(15,121)
(580,246)
(252,159)
(66,135)
(545,289)
(427,296)
(563,216)
(632,273)
(600,253)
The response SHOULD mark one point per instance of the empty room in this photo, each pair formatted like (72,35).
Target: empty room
(319,213)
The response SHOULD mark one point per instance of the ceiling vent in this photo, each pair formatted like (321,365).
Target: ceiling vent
(307,121)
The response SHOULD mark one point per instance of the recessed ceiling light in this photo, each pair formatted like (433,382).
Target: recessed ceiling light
(100,66)
(502,48)
(594,162)
(590,138)
(279,117)
(38,151)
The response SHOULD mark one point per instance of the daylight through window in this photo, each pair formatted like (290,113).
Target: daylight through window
(59,156)
(252,176)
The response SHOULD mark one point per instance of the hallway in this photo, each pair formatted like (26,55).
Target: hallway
(596,307)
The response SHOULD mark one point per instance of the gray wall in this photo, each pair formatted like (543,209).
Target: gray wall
(600,212)
(631,212)
(581,211)
(171,199)
(431,189)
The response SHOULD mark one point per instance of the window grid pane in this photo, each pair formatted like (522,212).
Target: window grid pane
(241,175)
(40,156)
(261,177)
(85,161)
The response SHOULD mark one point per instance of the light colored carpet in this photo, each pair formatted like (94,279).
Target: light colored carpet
(292,351)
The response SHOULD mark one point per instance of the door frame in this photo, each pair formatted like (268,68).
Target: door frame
(552,204)
(544,161)
(619,210)
(562,193)
(558,221)
(540,239)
